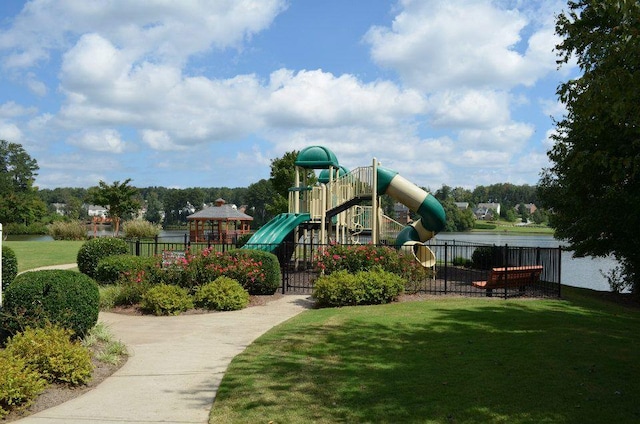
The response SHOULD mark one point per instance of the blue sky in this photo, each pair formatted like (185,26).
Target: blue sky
(206,93)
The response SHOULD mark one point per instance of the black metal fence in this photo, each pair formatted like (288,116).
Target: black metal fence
(458,269)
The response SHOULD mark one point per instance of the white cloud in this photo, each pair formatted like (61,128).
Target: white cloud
(37,87)
(10,132)
(469,108)
(11,109)
(510,137)
(320,99)
(434,45)
(159,140)
(107,140)
(165,31)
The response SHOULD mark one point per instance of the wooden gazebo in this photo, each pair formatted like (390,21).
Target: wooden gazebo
(221,223)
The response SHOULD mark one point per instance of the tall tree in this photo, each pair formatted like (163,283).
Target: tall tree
(282,178)
(18,197)
(119,198)
(593,184)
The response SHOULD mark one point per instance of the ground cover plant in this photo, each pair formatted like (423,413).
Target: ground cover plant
(37,355)
(442,360)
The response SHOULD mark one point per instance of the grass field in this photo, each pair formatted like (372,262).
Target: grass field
(510,227)
(33,254)
(445,360)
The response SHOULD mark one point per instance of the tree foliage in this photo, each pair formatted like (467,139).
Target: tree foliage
(18,197)
(118,198)
(593,184)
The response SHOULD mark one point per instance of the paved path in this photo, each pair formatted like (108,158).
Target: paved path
(175,365)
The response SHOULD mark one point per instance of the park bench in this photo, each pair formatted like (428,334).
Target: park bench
(511,276)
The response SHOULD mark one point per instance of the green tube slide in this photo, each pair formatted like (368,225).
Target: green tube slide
(432,216)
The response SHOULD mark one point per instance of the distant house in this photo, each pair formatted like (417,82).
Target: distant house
(487,210)
(95,210)
(60,208)
(530,207)
(402,213)
(463,206)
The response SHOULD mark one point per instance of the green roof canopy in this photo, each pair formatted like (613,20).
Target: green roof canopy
(316,157)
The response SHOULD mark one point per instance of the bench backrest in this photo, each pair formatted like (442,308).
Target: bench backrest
(514,275)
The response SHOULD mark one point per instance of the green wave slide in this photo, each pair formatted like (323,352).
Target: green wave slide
(274,232)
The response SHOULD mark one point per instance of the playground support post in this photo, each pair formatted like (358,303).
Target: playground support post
(374,205)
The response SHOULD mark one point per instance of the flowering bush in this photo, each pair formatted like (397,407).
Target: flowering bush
(257,272)
(132,286)
(365,257)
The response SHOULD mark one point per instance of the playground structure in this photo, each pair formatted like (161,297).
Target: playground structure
(344,206)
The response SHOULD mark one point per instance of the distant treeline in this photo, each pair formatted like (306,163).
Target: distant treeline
(171,206)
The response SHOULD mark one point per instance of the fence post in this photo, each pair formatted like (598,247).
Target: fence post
(506,267)
(559,271)
(137,247)
(155,245)
(446,260)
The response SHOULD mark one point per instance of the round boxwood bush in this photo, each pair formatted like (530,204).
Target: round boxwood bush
(9,266)
(342,288)
(165,299)
(110,269)
(95,249)
(222,294)
(260,273)
(62,297)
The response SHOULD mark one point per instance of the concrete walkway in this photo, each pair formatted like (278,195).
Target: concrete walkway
(175,365)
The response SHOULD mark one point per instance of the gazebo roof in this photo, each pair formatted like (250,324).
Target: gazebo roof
(220,213)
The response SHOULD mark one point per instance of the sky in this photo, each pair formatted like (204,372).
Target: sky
(206,93)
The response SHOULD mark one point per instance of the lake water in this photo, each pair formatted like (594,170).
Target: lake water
(577,272)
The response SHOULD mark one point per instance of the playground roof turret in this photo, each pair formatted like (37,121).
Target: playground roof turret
(337,173)
(316,157)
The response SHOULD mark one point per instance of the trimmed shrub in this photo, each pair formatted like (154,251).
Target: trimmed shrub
(51,352)
(16,228)
(73,230)
(222,294)
(258,271)
(139,228)
(165,299)
(62,297)
(110,269)
(462,261)
(487,257)
(19,384)
(363,288)
(95,249)
(9,266)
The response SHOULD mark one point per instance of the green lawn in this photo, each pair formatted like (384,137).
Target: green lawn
(33,254)
(510,227)
(447,360)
